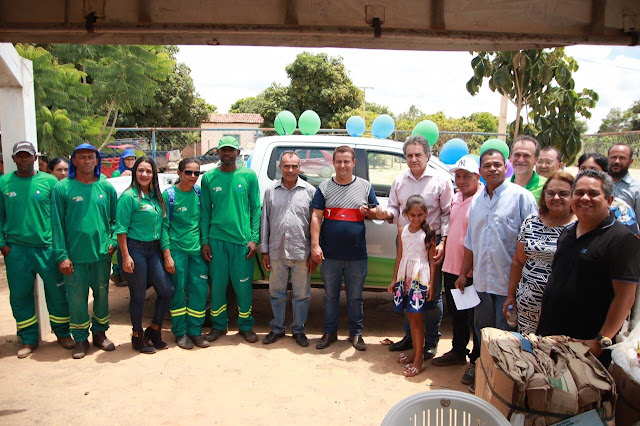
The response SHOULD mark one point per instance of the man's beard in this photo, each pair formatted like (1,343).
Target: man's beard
(622,173)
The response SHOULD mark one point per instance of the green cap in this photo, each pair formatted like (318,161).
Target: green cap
(228,141)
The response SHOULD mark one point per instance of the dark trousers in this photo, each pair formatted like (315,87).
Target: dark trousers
(462,321)
(148,266)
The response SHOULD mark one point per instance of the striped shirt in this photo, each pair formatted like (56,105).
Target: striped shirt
(340,237)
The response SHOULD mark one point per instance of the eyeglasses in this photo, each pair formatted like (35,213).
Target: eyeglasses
(550,193)
(192,173)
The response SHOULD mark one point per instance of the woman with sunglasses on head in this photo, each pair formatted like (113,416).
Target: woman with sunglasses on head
(537,243)
(182,224)
(142,245)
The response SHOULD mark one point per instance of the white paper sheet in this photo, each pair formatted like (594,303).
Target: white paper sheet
(466,300)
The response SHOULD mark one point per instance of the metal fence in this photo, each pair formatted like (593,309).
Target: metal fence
(171,143)
(601,142)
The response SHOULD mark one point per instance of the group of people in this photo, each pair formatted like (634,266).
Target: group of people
(555,250)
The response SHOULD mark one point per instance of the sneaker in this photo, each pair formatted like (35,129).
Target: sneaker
(184,342)
(450,358)
(472,388)
(469,376)
(26,350)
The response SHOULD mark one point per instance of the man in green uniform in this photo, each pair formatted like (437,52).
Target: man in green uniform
(230,232)
(82,220)
(25,243)
(524,156)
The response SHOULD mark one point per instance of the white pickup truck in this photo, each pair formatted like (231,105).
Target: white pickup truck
(377,160)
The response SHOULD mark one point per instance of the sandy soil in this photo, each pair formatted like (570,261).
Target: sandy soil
(231,382)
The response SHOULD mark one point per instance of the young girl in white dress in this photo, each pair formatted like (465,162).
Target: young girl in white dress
(414,276)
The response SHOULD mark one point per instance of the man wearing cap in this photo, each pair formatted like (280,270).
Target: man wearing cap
(467,178)
(230,232)
(82,220)
(25,243)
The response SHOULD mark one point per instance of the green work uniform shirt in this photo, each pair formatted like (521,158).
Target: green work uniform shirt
(25,209)
(82,220)
(230,206)
(183,227)
(140,218)
(534,185)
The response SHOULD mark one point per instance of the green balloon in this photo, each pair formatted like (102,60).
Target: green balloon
(496,144)
(428,130)
(309,123)
(285,123)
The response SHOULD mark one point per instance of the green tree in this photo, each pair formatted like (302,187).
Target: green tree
(317,82)
(60,102)
(539,81)
(618,120)
(486,121)
(125,78)
(177,104)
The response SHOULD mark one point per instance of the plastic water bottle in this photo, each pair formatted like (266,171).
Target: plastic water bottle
(512,316)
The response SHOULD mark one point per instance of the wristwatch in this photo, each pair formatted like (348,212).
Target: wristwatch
(604,341)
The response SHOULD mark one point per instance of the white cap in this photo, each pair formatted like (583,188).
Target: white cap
(466,163)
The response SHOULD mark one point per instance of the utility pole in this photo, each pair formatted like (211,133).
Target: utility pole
(502,121)
(364,100)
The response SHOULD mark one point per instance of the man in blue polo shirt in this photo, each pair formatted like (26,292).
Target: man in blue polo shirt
(338,243)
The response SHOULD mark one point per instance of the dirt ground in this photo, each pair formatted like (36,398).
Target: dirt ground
(231,382)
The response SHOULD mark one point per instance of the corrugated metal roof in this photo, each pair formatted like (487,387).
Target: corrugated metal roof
(235,118)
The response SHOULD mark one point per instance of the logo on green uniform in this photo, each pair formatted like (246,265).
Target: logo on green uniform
(77,199)
(10,194)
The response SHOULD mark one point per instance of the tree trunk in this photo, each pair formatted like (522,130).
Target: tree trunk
(113,125)
(106,118)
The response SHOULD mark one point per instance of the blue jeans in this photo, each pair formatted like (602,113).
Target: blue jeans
(489,313)
(148,266)
(301,286)
(354,273)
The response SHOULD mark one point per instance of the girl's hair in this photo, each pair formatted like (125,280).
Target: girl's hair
(53,163)
(599,159)
(430,234)
(155,186)
(183,165)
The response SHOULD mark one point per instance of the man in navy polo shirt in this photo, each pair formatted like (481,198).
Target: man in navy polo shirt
(338,243)
(595,270)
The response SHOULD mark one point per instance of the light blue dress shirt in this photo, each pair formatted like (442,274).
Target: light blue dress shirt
(628,189)
(492,236)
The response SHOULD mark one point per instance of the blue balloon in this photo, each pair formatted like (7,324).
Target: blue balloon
(475,157)
(355,126)
(453,150)
(382,126)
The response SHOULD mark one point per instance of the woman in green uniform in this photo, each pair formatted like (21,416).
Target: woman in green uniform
(142,245)
(127,160)
(190,279)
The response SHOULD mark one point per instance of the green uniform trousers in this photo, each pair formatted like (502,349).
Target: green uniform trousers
(23,263)
(230,262)
(94,275)
(190,289)
(114,261)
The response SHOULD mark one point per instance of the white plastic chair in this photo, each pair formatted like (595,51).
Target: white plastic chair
(444,407)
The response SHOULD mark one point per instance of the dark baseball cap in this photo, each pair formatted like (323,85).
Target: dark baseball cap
(24,146)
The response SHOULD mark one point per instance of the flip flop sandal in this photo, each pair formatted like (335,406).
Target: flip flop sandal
(403,358)
(411,371)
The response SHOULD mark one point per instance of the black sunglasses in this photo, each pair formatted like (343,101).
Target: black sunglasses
(192,173)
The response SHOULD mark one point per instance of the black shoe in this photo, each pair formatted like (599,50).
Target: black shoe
(199,341)
(100,340)
(429,353)
(184,342)
(357,342)
(118,281)
(139,343)
(155,337)
(80,349)
(403,345)
(326,340)
(249,335)
(301,339)
(271,337)
(214,335)
(450,358)
(469,376)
